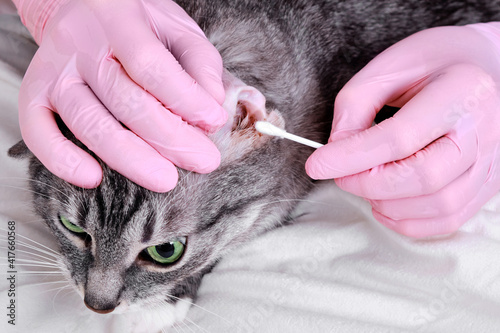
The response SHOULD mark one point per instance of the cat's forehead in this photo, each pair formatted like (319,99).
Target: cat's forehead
(199,204)
(119,204)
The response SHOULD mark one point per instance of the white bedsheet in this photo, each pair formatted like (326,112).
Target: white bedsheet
(334,270)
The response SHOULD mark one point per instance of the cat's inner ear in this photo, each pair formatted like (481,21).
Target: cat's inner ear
(245,105)
(249,107)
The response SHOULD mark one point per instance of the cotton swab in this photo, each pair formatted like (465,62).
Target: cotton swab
(265,127)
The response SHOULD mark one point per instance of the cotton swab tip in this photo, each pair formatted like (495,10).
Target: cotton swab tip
(265,127)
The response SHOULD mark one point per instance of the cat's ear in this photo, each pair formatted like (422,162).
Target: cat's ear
(245,105)
(19,150)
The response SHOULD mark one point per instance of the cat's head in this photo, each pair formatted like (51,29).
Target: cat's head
(128,248)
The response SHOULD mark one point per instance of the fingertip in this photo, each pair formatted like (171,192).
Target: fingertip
(210,164)
(215,119)
(76,167)
(399,227)
(320,165)
(190,149)
(419,228)
(384,220)
(202,161)
(316,167)
(152,172)
(161,180)
(89,174)
(140,163)
(312,167)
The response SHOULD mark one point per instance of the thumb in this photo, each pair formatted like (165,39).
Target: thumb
(351,116)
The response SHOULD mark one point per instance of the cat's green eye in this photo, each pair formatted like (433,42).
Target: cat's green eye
(167,253)
(70,226)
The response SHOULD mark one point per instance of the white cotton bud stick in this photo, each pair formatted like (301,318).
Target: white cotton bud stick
(265,127)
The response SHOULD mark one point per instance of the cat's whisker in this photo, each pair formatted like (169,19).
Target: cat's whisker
(184,176)
(31,191)
(54,263)
(30,180)
(44,260)
(184,326)
(167,329)
(39,272)
(39,221)
(50,258)
(22,205)
(33,244)
(40,245)
(36,222)
(45,283)
(69,290)
(29,265)
(196,325)
(41,250)
(42,255)
(37,259)
(18,260)
(201,308)
(66,204)
(293,200)
(63,281)
(58,289)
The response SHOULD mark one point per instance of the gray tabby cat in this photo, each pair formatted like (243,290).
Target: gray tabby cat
(130,249)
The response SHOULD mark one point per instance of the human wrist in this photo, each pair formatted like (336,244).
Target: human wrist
(36,13)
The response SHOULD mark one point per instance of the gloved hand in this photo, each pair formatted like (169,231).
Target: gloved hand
(135,80)
(431,167)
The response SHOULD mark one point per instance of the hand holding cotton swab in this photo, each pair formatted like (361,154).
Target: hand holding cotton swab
(265,127)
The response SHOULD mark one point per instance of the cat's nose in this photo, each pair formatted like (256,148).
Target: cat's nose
(102,309)
(103,288)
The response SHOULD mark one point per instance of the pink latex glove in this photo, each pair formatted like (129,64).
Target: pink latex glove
(143,63)
(431,167)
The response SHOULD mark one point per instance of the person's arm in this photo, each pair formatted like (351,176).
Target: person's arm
(137,82)
(430,167)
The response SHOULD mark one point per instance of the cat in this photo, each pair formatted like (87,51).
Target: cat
(129,249)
